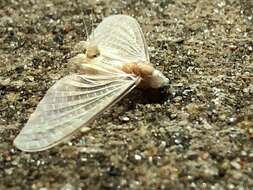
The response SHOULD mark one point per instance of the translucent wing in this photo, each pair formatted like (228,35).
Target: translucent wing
(71,103)
(120,40)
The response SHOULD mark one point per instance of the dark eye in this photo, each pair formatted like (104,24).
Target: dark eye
(92,53)
(96,55)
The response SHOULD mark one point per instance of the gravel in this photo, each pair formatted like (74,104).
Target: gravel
(195,134)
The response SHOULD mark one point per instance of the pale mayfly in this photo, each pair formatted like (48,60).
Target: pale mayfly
(116,61)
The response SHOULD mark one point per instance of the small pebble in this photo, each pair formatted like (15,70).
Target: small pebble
(236,165)
(137,157)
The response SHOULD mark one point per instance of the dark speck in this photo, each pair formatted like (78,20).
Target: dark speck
(59,39)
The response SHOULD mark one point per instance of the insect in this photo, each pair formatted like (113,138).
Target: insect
(116,61)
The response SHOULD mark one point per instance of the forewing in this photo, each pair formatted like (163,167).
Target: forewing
(120,40)
(70,104)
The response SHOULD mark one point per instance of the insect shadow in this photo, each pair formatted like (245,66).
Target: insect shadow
(149,96)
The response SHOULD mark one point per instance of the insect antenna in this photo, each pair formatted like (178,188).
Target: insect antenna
(85,27)
(84,13)
(92,29)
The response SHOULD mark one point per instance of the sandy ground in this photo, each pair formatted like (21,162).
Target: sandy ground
(196,134)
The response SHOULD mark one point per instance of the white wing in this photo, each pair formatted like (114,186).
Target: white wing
(68,105)
(120,40)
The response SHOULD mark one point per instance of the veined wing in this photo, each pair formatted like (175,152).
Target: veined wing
(120,40)
(70,104)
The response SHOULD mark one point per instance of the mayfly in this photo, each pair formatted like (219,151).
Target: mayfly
(116,61)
